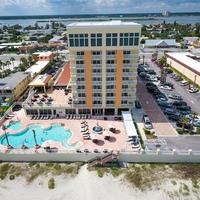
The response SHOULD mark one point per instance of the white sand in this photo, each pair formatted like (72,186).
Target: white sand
(87,186)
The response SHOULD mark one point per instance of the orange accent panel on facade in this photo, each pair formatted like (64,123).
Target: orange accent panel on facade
(119,74)
(88,78)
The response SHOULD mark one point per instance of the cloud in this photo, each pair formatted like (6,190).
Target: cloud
(24,7)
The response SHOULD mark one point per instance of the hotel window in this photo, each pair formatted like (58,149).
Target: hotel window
(126,70)
(78,40)
(124,94)
(110,87)
(96,62)
(109,102)
(127,52)
(110,78)
(97,94)
(126,61)
(80,53)
(79,62)
(96,39)
(96,87)
(81,87)
(125,86)
(110,61)
(80,79)
(96,79)
(129,39)
(124,102)
(110,70)
(96,53)
(110,52)
(110,94)
(81,102)
(81,95)
(80,71)
(97,102)
(96,70)
(111,39)
(125,78)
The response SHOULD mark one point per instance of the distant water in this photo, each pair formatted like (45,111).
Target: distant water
(183,19)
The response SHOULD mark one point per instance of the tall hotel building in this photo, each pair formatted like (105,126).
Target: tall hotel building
(103,60)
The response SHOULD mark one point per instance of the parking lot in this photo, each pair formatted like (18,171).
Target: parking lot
(183,142)
(193,100)
(161,124)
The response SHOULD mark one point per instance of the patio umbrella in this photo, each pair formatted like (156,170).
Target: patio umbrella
(7,100)
(45,95)
(94,138)
(36,95)
(106,135)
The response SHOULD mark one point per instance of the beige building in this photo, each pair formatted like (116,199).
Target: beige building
(187,64)
(103,61)
(14,86)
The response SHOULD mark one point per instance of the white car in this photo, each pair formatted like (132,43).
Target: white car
(165,87)
(184,83)
(193,90)
(147,122)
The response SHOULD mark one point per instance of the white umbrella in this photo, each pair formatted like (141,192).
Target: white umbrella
(84,129)
(94,137)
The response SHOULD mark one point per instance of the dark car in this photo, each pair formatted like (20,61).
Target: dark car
(151,71)
(179,103)
(142,74)
(137,104)
(169,111)
(185,112)
(186,126)
(165,104)
(175,96)
(175,117)
(183,108)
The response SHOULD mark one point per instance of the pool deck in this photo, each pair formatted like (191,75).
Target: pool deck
(117,142)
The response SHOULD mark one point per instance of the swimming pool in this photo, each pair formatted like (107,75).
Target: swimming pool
(55,132)
(16,125)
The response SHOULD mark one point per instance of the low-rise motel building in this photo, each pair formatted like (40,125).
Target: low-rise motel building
(14,85)
(102,76)
(187,64)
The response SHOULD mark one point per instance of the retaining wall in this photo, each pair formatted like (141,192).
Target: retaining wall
(143,157)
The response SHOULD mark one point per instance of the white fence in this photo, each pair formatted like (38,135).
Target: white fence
(131,157)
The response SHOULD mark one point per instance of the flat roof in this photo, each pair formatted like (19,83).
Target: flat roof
(112,23)
(41,80)
(129,125)
(48,53)
(11,81)
(37,67)
(157,42)
(64,78)
(186,60)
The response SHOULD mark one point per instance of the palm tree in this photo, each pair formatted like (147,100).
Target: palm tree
(194,115)
(184,121)
(12,60)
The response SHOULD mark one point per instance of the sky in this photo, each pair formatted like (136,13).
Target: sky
(49,7)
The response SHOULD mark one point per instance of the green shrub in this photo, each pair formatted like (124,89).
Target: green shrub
(51,183)
(100,173)
(198,131)
(12,177)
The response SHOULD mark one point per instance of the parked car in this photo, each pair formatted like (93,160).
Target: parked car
(165,104)
(193,90)
(183,108)
(178,78)
(147,122)
(169,111)
(175,117)
(175,96)
(196,123)
(185,112)
(179,103)
(137,104)
(165,87)
(143,74)
(184,83)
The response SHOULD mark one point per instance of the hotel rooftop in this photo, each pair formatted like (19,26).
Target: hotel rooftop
(113,23)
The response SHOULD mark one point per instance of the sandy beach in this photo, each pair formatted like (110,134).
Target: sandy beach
(88,186)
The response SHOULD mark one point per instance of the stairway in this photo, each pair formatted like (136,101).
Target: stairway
(102,160)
